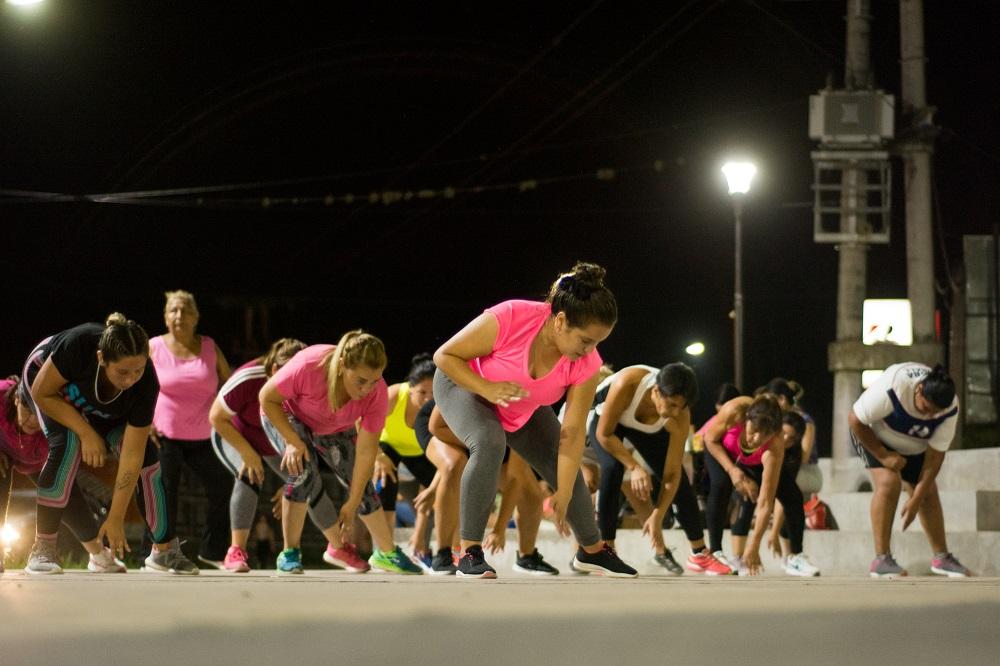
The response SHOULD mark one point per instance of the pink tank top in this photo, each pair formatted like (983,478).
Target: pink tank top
(187,390)
(731,442)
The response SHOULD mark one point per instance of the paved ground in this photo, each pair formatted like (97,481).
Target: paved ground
(330,617)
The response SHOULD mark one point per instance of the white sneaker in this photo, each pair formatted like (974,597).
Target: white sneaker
(44,559)
(799,565)
(105,562)
(734,562)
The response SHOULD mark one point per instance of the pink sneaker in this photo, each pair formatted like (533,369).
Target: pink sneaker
(346,558)
(706,563)
(236,560)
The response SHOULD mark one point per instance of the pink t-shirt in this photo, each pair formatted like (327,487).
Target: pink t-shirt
(303,382)
(731,442)
(27,453)
(518,324)
(187,390)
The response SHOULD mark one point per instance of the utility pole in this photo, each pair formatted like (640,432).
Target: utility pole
(916,146)
(853,266)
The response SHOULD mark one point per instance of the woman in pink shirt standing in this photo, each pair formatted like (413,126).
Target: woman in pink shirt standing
(191,368)
(497,378)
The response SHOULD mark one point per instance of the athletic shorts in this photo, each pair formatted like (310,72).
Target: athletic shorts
(911,471)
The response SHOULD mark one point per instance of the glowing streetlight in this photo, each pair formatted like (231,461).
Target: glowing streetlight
(8,536)
(24,3)
(739,176)
(695,349)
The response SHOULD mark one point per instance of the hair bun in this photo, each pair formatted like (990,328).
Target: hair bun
(421,358)
(116,319)
(588,275)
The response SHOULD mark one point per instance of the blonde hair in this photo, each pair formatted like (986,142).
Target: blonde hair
(180,295)
(355,348)
(280,353)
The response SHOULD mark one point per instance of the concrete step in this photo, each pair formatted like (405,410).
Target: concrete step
(835,553)
(972,469)
(964,510)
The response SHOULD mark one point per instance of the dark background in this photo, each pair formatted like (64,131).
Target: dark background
(102,97)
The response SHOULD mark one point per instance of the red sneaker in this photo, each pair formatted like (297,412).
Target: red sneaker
(706,563)
(345,557)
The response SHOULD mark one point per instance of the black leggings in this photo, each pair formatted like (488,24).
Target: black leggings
(77,516)
(653,449)
(421,468)
(721,490)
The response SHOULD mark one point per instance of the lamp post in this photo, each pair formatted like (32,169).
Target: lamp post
(738,176)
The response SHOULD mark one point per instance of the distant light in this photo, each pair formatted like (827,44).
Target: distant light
(695,349)
(739,175)
(869,377)
(8,535)
(24,3)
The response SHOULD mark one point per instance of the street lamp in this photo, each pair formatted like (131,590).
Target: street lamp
(738,175)
(695,349)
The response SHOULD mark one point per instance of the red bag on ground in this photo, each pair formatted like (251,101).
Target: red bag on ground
(818,515)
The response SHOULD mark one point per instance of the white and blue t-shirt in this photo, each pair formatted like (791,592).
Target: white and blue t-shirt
(887,407)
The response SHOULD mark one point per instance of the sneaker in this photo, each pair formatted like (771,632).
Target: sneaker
(215,564)
(884,566)
(948,566)
(605,562)
(799,565)
(473,564)
(578,572)
(44,558)
(739,566)
(668,563)
(706,563)
(534,564)
(395,561)
(443,564)
(236,560)
(346,557)
(423,559)
(289,562)
(105,562)
(170,561)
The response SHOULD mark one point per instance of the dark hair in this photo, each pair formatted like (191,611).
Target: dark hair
(795,420)
(765,413)
(779,387)
(122,337)
(582,296)
(421,367)
(678,379)
(939,388)
(281,352)
(725,393)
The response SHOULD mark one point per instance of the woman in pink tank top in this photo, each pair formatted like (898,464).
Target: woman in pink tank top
(745,448)
(191,368)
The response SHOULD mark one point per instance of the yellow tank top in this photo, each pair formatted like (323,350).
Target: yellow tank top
(396,433)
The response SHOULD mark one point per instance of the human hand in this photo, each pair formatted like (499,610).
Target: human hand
(345,520)
(383,469)
(910,510)
(774,544)
(504,393)
(751,559)
(560,503)
(495,541)
(253,469)
(113,529)
(276,502)
(653,526)
(294,459)
(93,450)
(642,485)
(893,461)
(424,501)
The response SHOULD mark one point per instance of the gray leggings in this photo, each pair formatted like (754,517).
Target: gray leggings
(243,502)
(475,422)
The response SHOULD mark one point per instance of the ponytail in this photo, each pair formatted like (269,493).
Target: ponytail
(939,388)
(122,337)
(355,348)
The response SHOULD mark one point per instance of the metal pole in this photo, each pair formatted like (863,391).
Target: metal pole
(738,295)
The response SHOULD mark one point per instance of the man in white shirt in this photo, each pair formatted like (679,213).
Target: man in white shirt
(901,427)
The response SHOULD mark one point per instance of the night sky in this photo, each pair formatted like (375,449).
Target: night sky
(302,108)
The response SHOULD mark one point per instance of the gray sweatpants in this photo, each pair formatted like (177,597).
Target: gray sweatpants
(475,422)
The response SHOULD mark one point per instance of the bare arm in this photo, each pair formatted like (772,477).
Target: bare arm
(808,441)
(620,395)
(672,470)
(579,398)
(475,340)
(222,422)
(864,434)
(933,459)
(222,368)
(772,461)
(133,451)
(270,403)
(46,392)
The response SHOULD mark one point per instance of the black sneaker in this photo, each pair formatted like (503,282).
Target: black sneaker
(604,562)
(578,572)
(443,564)
(473,564)
(667,561)
(534,564)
